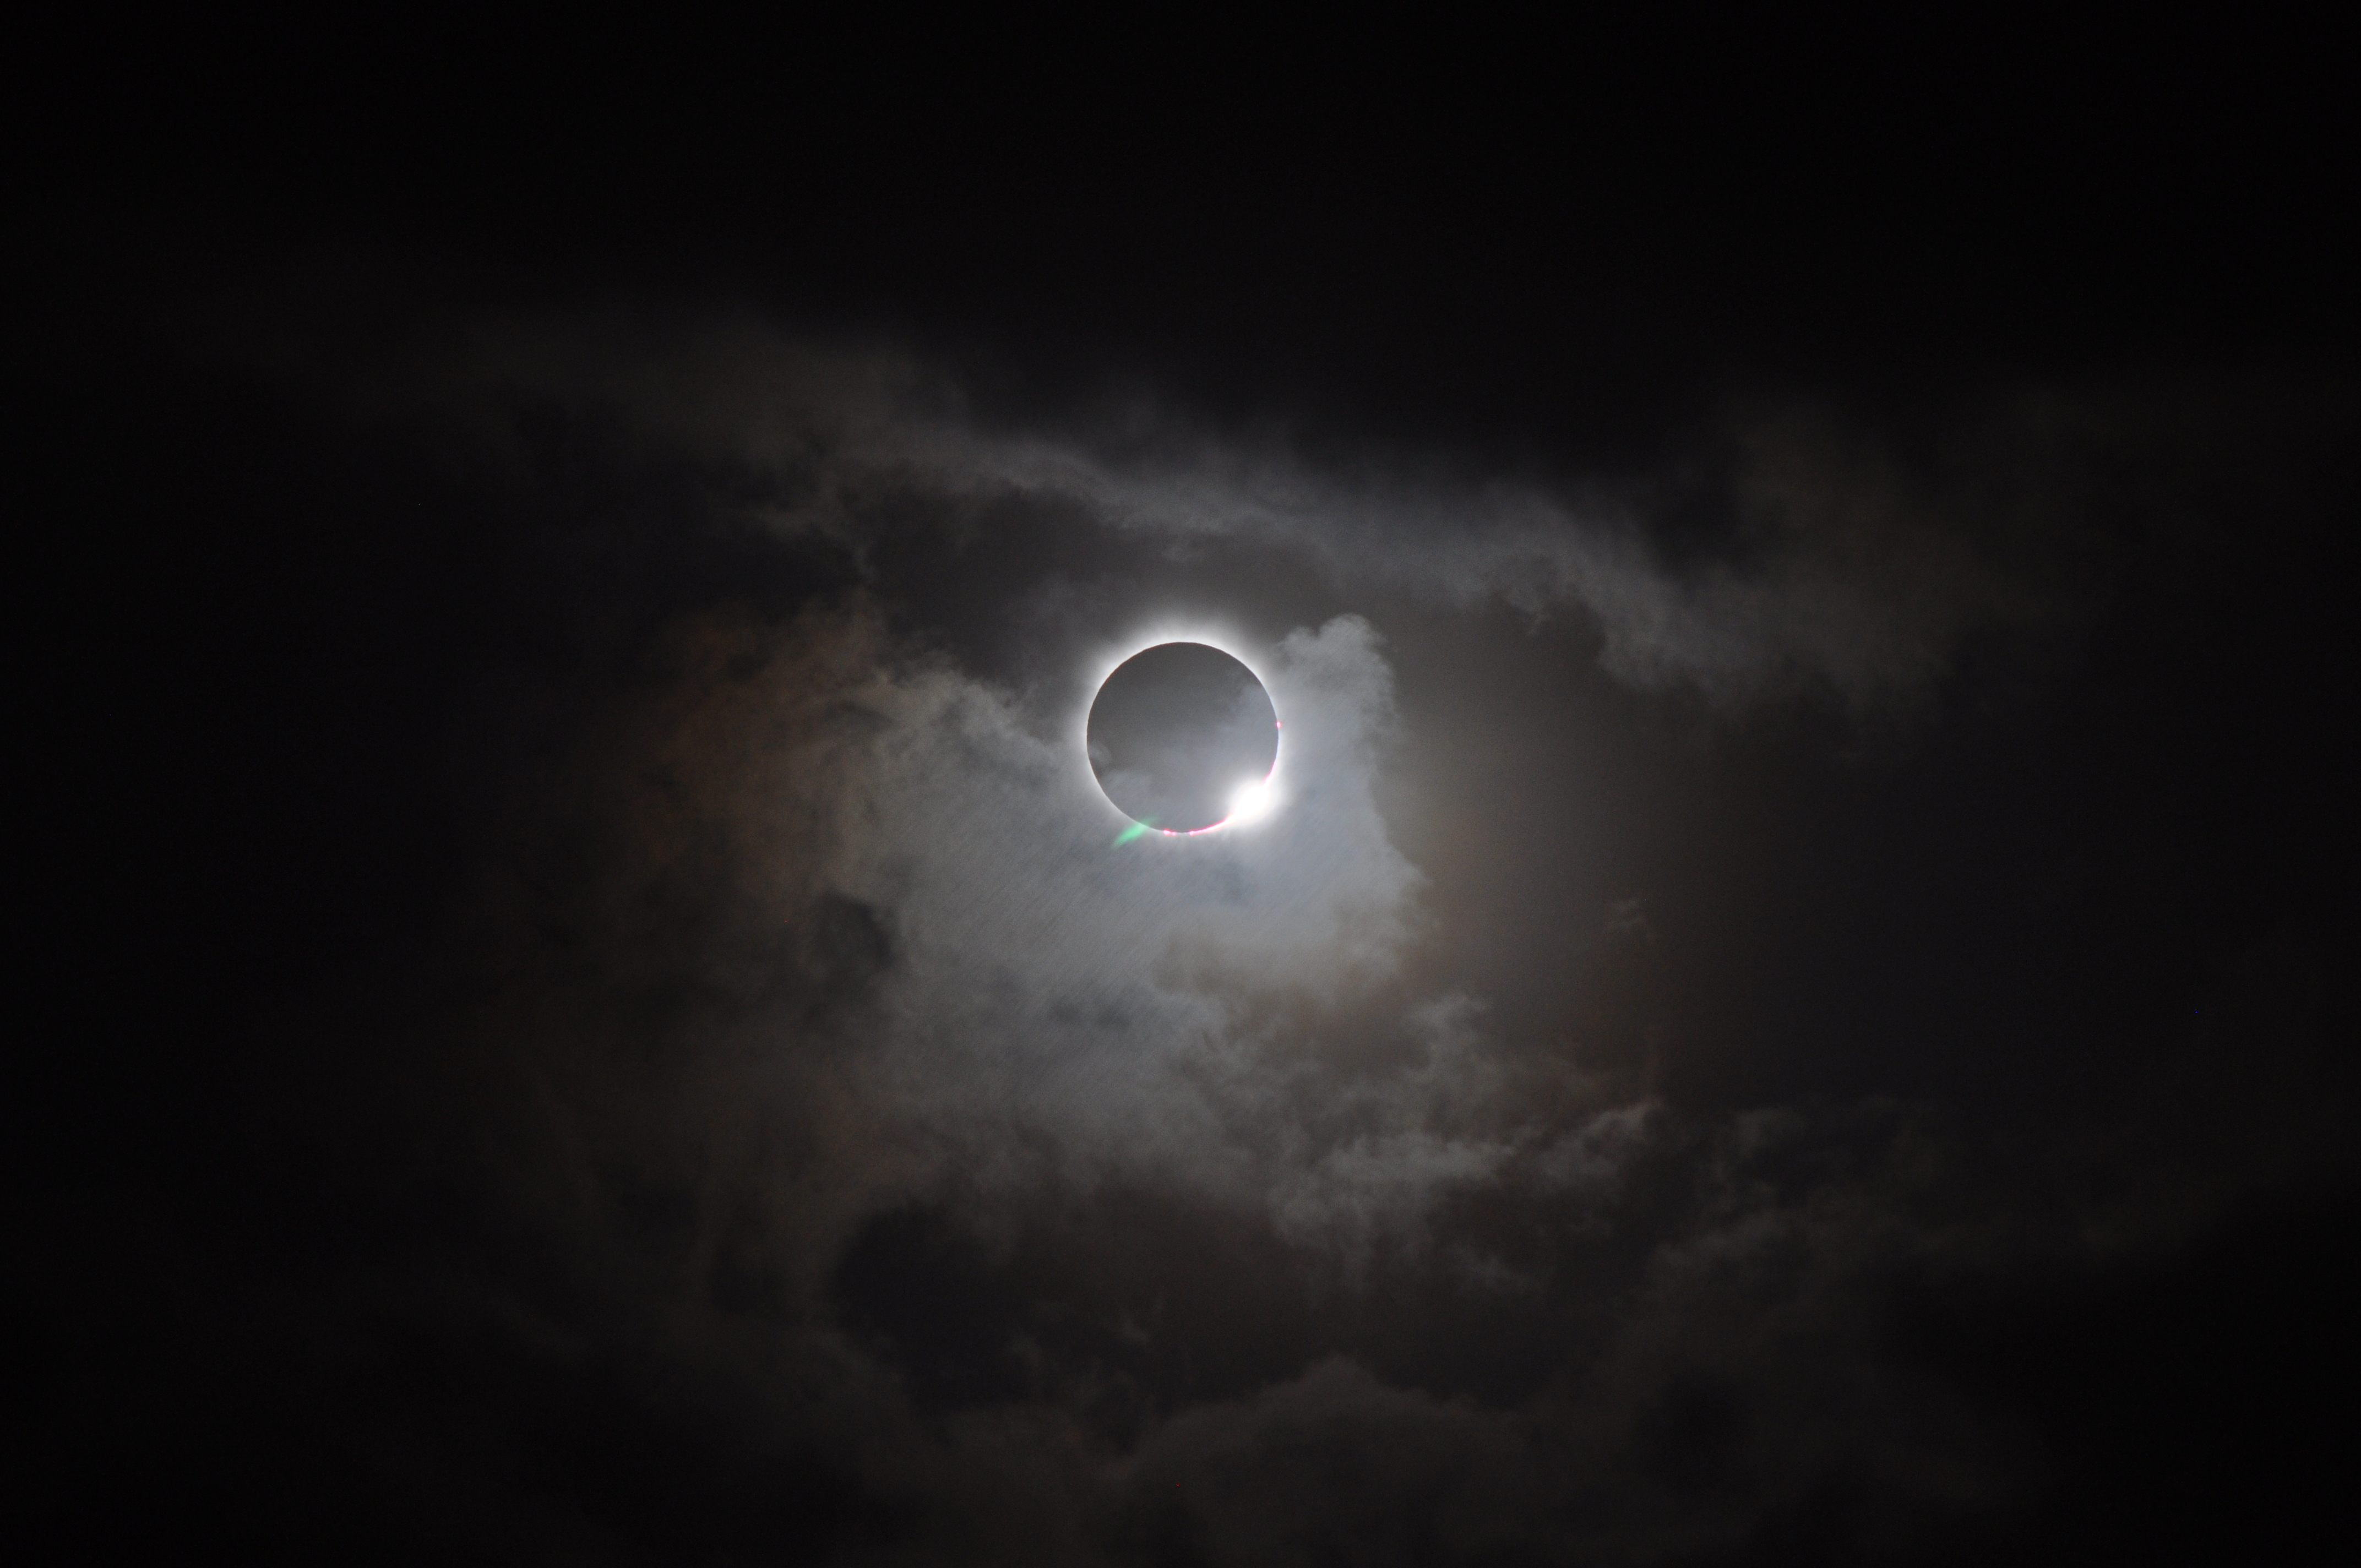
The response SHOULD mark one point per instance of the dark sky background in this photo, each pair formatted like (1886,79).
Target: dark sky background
(581,1004)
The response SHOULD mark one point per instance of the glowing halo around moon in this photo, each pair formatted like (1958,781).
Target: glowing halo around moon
(1182,739)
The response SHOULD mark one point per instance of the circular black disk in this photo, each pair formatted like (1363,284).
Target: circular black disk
(1177,731)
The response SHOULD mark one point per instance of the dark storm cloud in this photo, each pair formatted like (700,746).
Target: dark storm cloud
(799,1132)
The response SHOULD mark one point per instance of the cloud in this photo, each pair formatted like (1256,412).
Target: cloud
(1335,1465)
(812,1091)
(878,905)
(1850,576)
(1844,569)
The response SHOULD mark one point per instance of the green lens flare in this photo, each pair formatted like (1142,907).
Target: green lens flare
(1128,834)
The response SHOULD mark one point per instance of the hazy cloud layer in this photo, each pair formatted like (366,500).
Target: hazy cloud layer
(1013,997)
(1840,567)
(798,1091)
(940,1059)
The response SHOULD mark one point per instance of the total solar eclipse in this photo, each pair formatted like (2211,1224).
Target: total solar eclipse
(1183,738)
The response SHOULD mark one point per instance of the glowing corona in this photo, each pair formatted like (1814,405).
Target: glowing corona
(1254,800)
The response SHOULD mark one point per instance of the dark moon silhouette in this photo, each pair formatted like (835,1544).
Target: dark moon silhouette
(1177,732)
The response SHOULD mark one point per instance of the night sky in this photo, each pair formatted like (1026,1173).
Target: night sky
(581,1003)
